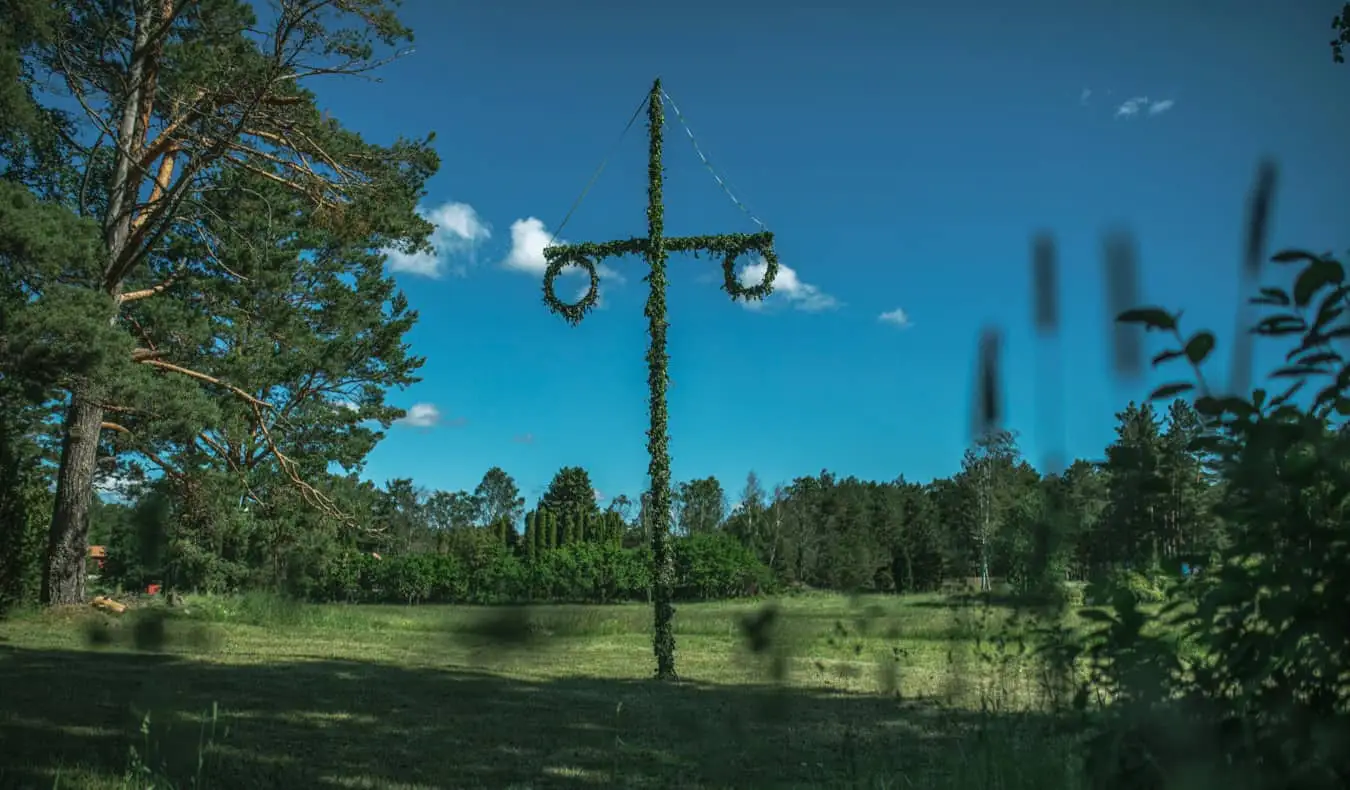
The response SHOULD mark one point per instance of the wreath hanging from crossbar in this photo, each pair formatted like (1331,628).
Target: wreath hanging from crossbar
(730,246)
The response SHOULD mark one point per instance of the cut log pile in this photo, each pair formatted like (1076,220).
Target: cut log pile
(105,604)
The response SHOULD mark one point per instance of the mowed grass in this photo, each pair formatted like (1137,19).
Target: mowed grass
(253,692)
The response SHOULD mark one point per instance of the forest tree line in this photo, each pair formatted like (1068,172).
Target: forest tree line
(1143,509)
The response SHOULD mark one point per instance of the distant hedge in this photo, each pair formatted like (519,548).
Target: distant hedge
(478,567)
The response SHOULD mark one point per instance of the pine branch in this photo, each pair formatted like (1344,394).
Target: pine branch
(167,467)
(206,378)
(145,293)
(312,496)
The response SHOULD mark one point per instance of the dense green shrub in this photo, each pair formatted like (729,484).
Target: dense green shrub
(477,567)
(590,572)
(1140,586)
(715,565)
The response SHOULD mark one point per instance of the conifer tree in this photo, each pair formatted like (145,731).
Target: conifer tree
(181,97)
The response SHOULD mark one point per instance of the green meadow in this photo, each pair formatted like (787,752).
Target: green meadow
(811,691)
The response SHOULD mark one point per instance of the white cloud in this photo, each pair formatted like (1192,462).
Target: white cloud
(897,317)
(529,237)
(1084,96)
(802,296)
(458,231)
(420,415)
(1132,107)
(523,438)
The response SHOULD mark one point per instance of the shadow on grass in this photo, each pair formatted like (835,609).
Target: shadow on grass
(347,724)
(1016,601)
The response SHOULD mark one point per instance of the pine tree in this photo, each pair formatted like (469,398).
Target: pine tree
(193,99)
(570,492)
(1138,487)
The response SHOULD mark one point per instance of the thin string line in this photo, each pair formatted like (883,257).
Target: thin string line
(721,182)
(596,175)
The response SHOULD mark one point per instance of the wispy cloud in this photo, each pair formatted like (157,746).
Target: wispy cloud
(523,438)
(457,233)
(1134,106)
(897,317)
(1084,96)
(585,288)
(1131,107)
(1160,107)
(789,287)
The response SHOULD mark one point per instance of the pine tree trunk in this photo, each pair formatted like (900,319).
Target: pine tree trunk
(68,539)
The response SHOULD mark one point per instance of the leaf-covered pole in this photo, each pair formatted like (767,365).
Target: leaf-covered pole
(658,375)
(655,249)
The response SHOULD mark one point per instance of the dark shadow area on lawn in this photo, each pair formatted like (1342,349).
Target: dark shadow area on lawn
(1022,602)
(330,723)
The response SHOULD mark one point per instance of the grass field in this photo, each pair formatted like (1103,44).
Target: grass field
(255,693)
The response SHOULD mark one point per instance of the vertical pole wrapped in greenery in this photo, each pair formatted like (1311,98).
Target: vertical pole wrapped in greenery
(654,250)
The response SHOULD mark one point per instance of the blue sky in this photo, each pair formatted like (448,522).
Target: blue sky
(903,153)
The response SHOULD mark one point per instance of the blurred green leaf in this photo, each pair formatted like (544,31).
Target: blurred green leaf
(1279,325)
(1321,358)
(1293,256)
(1199,346)
(1169,390)
(1275,296)
(1319,274)
(1150,317)
(1168,355)
(1212,407)
(1296,371)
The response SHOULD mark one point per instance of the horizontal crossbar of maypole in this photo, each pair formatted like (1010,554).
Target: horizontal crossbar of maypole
(722,244)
